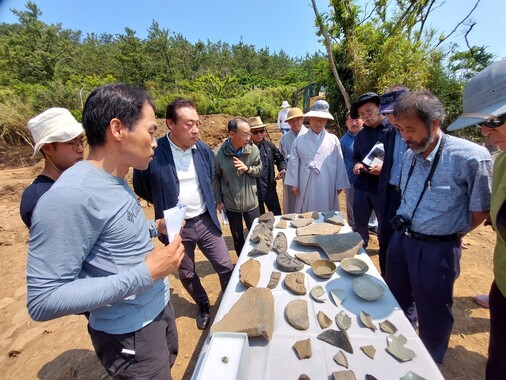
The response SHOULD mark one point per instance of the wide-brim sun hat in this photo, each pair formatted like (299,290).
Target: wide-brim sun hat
(285,104)
(294,113)
(53,125)
(387,101)
(362,99)
(256,122)
(484,96)
(320,109)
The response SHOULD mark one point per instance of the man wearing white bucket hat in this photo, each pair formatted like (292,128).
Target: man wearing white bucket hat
(282,115)
(316,170)
(485,105)
(59,138)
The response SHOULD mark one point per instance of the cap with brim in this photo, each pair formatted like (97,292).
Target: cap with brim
(364,98)
(387,101)
(320,109)
(484,96)
(294,113)
(285,104)
(53,125)
(256,122)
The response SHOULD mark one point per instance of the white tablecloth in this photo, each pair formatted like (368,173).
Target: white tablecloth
(276,359)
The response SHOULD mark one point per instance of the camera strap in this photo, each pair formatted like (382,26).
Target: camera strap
(429,177)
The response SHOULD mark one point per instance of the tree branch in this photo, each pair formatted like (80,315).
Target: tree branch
(460,23)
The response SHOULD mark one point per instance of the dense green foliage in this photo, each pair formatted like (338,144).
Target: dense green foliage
(43,66)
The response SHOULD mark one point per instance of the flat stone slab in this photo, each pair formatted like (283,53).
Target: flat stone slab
(318,229)
(289,216)
(249,273)
(252,314)
(296,314)
(334,219)
(336,246)
(301,222)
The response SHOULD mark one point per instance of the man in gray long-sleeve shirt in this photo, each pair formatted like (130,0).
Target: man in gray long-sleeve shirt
(90,249)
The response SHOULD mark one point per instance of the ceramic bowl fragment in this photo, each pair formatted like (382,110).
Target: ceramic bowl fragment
(396,348)
(340,358)
(303,349)
(318,293)
(366,319)
(412,376)
(368,289)
(343,320)
(323,320)
(388,327)
(370,351)
(323,268)
(344,375)
(338,295)
(354,266)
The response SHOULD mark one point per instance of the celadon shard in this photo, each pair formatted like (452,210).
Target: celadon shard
(318,293)
(388,327)
(303,349)
(370,351)
(340,358)
(343,320)
(368,289)
(412,376)
(323,320)
(338,295)
(396,348)
(354,266)
(366,319)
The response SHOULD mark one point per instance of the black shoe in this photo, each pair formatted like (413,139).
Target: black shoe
(203,317)
(373,230)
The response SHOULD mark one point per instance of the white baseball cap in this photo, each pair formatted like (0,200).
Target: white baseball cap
(53,125)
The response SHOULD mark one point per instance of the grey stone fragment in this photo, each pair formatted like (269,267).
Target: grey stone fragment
(261,231)
(310,214)
(280,243)
(252,314)
(301,222)
(296,314)
(266,217)
(337,338)
(282,224)
(308,257)
(295,283)
(289,216)
(249,273)
(263,247)
(337,246)
(318,229)
(303,349)
(334,219)
(288,263)
(274,280)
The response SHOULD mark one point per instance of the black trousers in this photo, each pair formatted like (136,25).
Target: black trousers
(271,200)
(496,364)
(385,230)
(236,226)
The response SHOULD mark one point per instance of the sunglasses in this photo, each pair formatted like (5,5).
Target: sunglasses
(493,121)
(256,132)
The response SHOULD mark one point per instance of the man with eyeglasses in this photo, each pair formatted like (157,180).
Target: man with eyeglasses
(236,167)
(270,156)
(484,104)
(182,171)
(375,126)
(59,138)
(445,193)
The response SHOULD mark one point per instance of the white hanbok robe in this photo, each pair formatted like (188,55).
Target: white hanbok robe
(285,146)
(316,167)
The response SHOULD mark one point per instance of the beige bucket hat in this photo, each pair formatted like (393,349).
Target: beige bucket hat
(256,122)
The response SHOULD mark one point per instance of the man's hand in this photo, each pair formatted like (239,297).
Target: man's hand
(376,169)
(162,261)
(295,191)
(239,165)
(161,226)
(359,168)
(280,175)
(220,207)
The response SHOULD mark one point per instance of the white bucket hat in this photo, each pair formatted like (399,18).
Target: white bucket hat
(285,104)
(484,96)
(320,109)
(53,125)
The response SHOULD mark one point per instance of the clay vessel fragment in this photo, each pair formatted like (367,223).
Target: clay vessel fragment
(282,224)
(344,375)
(289,216)
(343,320)
(396,348)
(367,288)
(338,295)
(337,338)
(301,222)
(303,349)
(308,257)
(323,320)
(318,229)
(354,266)
(369,351)
(366,319)
(412,376)
(340,358)
(388,327)
(249,273)
(318,293)
(323,268)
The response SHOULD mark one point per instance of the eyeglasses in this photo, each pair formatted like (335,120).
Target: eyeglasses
(256,132)
(78,143)
(493,121)
(244,135)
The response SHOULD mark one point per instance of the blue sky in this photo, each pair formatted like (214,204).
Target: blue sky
(277,24)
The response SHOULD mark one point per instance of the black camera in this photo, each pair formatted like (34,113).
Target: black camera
(400,223)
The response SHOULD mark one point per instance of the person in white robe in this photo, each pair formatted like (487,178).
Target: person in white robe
(316,172)
(295,119)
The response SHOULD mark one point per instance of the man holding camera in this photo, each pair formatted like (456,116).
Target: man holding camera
(445,193)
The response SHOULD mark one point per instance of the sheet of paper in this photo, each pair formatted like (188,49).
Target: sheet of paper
(375,155)
(173,219)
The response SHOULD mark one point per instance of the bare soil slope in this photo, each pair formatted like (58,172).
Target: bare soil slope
(61,349)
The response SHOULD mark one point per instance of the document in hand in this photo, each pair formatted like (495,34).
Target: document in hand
(375,155)
(173,219)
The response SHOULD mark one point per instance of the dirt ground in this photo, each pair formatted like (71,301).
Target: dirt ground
(61,349)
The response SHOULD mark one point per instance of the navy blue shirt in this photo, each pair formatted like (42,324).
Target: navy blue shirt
(364,142)
(31,196)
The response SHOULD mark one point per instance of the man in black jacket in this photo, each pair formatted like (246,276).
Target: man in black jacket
(270,156)
(182,171)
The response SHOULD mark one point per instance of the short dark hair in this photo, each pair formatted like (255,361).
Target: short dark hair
(232,124)
(424,104)
(175,105)
(116,100)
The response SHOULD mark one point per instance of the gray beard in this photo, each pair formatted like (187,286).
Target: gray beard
(424,144)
